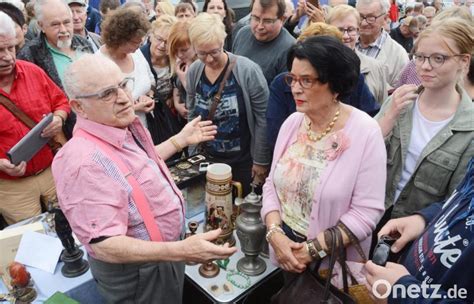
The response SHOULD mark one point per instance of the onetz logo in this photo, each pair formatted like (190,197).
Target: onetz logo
(381,289)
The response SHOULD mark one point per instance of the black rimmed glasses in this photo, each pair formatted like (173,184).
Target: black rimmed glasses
(370,19)
(265,21)
(435,60)
(351,31)
(110,94)
(306,82)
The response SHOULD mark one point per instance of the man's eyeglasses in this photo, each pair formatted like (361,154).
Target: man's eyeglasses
(351,31)
(214,53)
(110,94)
(435,60)
(306,82)
(370,19)
(265,22)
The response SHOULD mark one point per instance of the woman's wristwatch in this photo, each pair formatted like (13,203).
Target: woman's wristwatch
(315,250)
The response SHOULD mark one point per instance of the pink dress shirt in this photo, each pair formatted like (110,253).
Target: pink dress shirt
(352,186)
(95,196)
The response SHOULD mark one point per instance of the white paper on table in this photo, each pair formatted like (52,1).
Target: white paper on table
(39,250)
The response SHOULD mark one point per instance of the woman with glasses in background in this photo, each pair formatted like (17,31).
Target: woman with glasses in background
(429,129)
(329,163)
(240,113)
(347,20)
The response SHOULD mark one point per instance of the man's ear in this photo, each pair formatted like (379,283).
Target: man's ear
(78,108)
(40,25)
(24,28)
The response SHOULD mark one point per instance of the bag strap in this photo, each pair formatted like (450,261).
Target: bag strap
(332,263)
(25,119)
(139,197)
(217,97)
(342,260)
(354,241)
(10,106)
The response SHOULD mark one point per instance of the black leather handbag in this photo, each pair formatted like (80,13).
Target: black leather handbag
(310,287)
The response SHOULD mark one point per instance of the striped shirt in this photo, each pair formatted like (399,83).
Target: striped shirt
(373,49)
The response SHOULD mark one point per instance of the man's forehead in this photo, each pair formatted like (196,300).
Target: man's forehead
(370,8)
(53,12)
(7,41)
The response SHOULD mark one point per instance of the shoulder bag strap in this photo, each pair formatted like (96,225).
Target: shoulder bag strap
(139,197)
(217,97)
(354,241)
(342,260)
(10,106)
(26,120)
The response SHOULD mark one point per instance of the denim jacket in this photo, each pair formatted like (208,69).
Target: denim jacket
(442,163)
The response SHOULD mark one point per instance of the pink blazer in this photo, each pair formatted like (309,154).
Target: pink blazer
(352,186)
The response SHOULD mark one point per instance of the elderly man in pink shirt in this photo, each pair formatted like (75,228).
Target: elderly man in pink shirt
(116,192)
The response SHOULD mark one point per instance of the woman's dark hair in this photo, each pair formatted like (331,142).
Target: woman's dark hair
(470,75)
(13,12)
(335,63)
(123,24)
(228,17)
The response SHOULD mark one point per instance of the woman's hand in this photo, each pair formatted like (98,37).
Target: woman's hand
(302,255)
(409,228)
(376,274)
(181,70)
(401,99)
(314,14)
(300,11)
(284,248)
(144,104)
(259,173)
(197,131)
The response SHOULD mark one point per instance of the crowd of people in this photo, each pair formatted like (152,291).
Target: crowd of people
(358,118)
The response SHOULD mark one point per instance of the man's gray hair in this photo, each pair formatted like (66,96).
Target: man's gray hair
(39,8)
(77,75)
(384,4)
(7,26)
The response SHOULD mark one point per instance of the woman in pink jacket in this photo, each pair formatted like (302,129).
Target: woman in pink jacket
(329,162)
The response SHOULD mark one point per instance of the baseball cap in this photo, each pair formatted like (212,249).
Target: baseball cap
(80,2)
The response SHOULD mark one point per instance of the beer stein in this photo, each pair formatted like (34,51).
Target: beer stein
(219,208)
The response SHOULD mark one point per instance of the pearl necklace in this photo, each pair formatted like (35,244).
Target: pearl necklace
(310,133)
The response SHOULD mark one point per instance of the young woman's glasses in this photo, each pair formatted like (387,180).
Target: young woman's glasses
(435,60)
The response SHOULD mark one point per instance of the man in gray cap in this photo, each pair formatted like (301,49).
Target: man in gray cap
(79,18)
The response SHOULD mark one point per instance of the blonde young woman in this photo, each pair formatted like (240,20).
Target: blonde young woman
(429,129)
(240,114)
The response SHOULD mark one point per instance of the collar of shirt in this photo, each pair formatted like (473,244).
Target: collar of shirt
(55,50)
(111,135)
(378,43)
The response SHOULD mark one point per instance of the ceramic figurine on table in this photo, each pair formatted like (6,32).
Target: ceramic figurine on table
(21,290)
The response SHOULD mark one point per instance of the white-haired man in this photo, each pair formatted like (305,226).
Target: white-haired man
(375,42)
(118,195)
(57,46)
(23,187)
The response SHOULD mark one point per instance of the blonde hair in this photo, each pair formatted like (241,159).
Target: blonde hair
(342,11)
(178,37)
(164,22)
(320,29)
(456,29)
(453,12)
(207,28)
(166,7)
